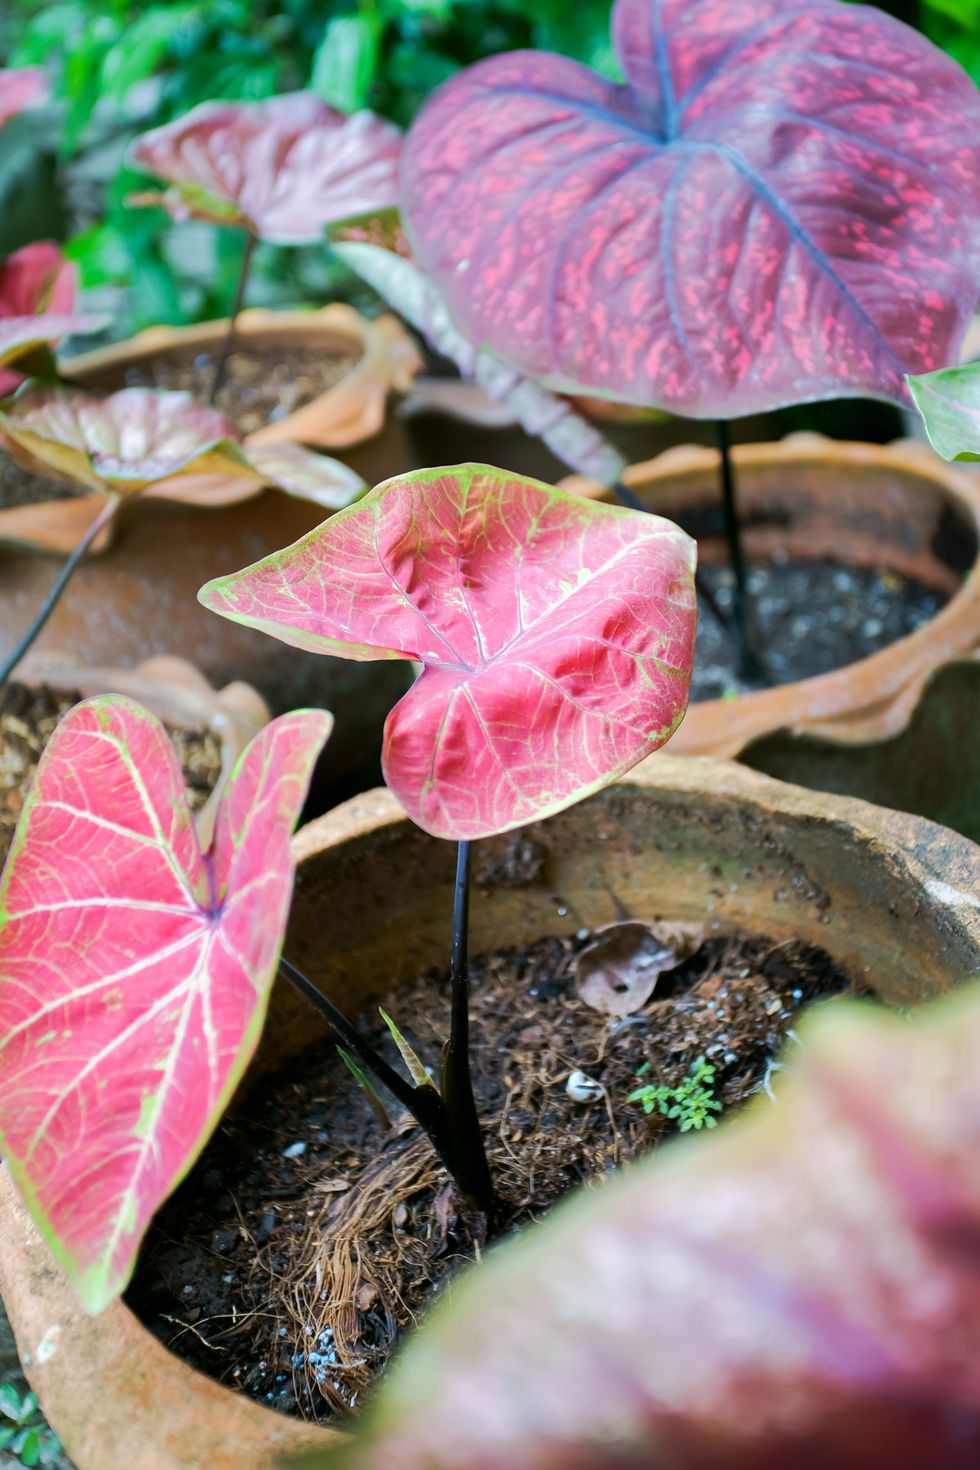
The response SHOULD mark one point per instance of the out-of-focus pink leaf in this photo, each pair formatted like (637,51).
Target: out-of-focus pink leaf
(374,247)
(37,278)
(134,969)
(556,634)
(123,442)
(283,168)
(797,1291)
(949,402)
(24,340)
(782,203)
(20,88)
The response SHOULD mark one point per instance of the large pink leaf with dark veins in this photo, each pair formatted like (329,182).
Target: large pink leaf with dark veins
(134,969)
(783,203)
(283,168)
(556,634)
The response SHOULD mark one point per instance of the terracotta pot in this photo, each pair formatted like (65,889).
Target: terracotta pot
(139,597)
(892,898)
(898,506)
(931,768)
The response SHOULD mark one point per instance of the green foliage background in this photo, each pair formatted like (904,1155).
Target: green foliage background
(120,66)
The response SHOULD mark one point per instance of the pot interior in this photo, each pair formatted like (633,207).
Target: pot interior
(373,894)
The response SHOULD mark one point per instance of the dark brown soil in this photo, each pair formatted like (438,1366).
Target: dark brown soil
(309,1237)
(810,617)
(261,386)
(27,719)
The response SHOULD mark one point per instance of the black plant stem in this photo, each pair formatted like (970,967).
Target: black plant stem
(633,502)
(221,366)
(470,1167)
(424,1103)
(60,583)
(749,667)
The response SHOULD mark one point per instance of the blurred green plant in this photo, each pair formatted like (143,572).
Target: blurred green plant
(121,66)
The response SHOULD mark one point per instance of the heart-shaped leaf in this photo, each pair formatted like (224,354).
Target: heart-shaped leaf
(783,203)
(134,969)
(283,168)
(949,402)
(20,88)
(375,248)
(797,1291)
(123,442)
(557,635)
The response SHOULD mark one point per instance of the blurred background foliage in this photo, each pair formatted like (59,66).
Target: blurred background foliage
(121,66)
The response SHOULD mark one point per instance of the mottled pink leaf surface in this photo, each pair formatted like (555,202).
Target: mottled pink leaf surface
(134,969)
(124,441)
(20,88)
(798,1291)
(283,168)
(783,203)
(556,634)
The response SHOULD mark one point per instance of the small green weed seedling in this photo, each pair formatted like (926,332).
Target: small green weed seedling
(23,1432)
(691,1104)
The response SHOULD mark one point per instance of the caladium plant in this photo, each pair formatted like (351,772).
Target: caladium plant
(21,87)
(774,208)
(556,638)
(37,308)
(281,169)
(135,969)
(145,441)
(798,1289)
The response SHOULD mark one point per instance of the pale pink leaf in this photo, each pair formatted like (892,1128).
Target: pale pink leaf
(556,634)
(283,168)
(797,1291)
(20,88)
(134,969)
(304,473)
(123,442)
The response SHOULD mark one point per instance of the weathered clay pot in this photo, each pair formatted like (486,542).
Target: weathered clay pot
(896,506)
(138,597)
(931,767)
(892,898)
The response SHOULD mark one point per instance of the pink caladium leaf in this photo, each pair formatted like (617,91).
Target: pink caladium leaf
(37,300)
(304,473)
(949,402)
(283,168)
(134,969)
(781,204)
(799,1289)
(556,634)
(121,443)
(375,248)
(20,88)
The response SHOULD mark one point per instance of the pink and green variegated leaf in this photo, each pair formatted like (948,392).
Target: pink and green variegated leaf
(797,1291)
(374,247)
(949,402)
(556,635)
(123,442)
(283,168)
(134,970)
(781,204)
(20,88)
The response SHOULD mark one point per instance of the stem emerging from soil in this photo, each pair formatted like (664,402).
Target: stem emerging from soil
(749,668)
(60,583)
(221,366)
(470,1168)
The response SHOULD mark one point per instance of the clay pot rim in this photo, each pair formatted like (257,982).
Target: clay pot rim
(889,681)
(249,1429)
(351,410)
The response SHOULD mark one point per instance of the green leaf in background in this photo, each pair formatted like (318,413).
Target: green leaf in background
(966,12)
(346,61)
(142,47)
(949,402)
